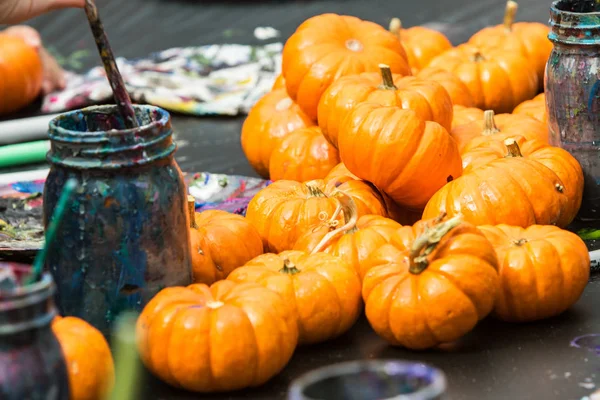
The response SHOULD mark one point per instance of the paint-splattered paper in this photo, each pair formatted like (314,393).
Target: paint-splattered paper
(207,80)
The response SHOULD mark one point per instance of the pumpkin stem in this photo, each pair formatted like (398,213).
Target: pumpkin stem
(396,27)
(314,190)
(559,188)
(289,268)
(513,148)
(477,57)
(509,14)
(387,78)
(350,217)
(520,242)
(426,243)
(489,125)
(191,203)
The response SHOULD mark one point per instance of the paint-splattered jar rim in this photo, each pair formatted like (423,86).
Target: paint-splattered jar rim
(573,28)
(96,138)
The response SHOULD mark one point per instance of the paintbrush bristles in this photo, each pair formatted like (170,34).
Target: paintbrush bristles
(112,71)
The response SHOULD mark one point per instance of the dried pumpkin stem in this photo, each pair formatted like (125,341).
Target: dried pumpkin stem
(509,14)
(387,78)
(289,268)
(396,27)
(191,203)
(513,148)
(520,242)
(489,125)
(350,217)
(477,57)
(426,243)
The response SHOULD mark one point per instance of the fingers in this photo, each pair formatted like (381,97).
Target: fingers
(27,33)
(54,75)
(16,11)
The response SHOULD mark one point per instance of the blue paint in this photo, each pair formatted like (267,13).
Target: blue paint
(127,234)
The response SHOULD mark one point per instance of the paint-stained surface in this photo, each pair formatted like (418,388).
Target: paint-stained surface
(126,235)
(573,95)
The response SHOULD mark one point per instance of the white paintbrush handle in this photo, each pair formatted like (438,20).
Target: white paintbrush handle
(25,129)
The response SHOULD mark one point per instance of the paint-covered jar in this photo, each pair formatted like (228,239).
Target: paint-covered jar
(31,361)
(572,88)
(126,235)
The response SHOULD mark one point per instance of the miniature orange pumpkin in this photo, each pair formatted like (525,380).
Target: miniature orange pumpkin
(519,183)
(303,155)
(431,285)
(286,210)
(543,270)
(497,79)
(88,358)
(420,43)
(527,38)
(329,46)
(535,108)
(324,290)
(464,115)
(427,98)
(279,83)
(498,127)
(22,73)
(214,339)
(221,242)
(458,91)
(272,118)
(403,155)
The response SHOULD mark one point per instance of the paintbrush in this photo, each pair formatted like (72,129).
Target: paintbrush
(112,71)
(55,222)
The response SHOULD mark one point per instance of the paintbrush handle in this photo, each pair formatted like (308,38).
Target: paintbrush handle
(112,71)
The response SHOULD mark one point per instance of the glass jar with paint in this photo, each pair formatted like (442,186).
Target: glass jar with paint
(572,88)
(31,361)
(125,236)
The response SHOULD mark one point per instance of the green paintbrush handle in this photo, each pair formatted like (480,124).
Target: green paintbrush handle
(24,153)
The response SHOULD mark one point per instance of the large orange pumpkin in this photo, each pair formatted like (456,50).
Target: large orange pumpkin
(427,98)
(543,270)
(303,155)
(498,127)
(329,46)
(458,91)
(527,38)
(403,155)
(421,44)
(22,73)
(272,118)
(214,339)
(497,79)
(285,210)
(324,290)
(519,183)
(535,108)
(88,358)
(221,242)
(464,115)
(431,285)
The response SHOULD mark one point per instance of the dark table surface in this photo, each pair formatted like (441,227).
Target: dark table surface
(496,360)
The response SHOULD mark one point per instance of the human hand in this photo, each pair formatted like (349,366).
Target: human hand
(53,73)
(15,11)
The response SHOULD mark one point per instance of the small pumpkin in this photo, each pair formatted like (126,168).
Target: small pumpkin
(214,339)
(543,270)
(527,38)
(272,118)
(432,284)
(498,127)
(22,73)
(88,358)
(458,91)
(279,83)
(497,79)
(221,242)
(519,182)
(302,156)
(326,47)
(324,290)
(420,43)
(286,210)
(427,98)
(535,108)
(400,153)
(354,241)
(464,115)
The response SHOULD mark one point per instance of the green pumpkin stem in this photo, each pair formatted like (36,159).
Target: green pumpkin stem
(386,78)
(424,245)
(346,203)
(314,190)
(513,148)
(289,268)
(489,125)
(509,14)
